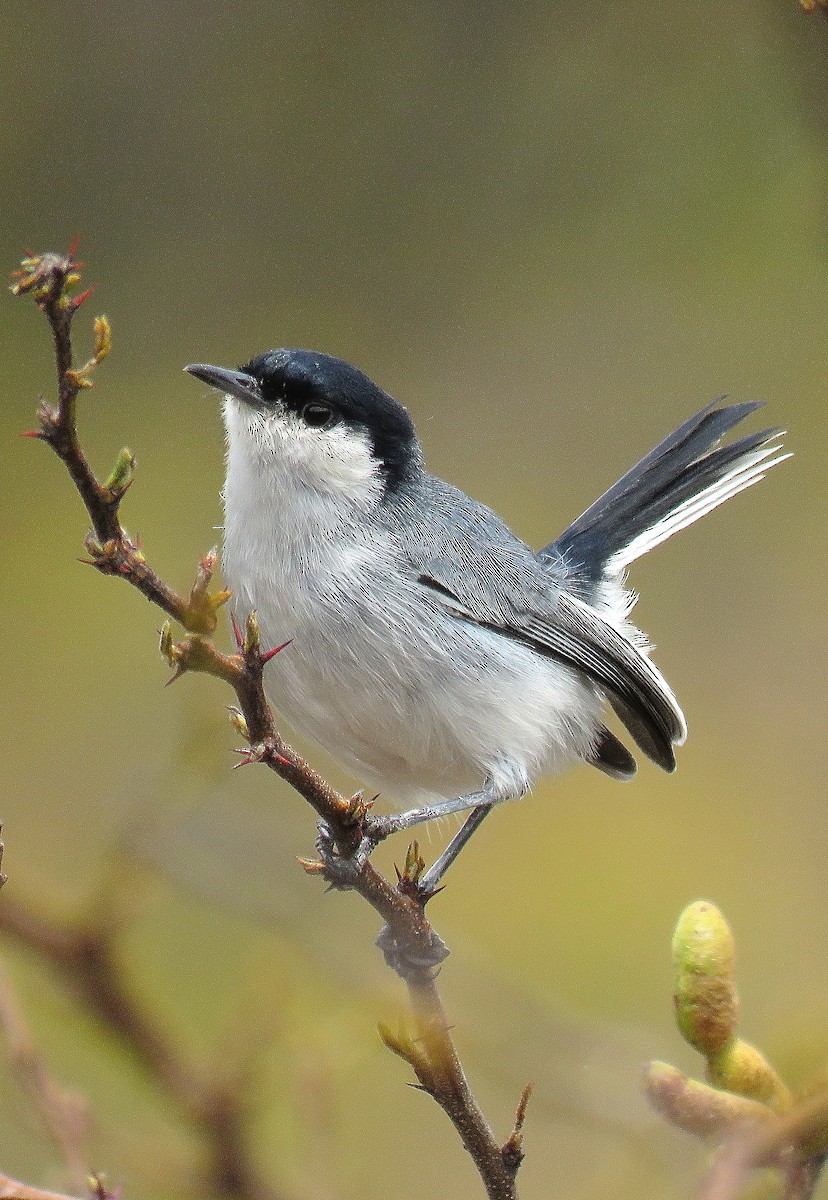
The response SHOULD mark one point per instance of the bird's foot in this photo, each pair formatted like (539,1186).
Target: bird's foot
(408,957)
(339,870)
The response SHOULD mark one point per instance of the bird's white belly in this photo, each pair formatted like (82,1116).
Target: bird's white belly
(415,702)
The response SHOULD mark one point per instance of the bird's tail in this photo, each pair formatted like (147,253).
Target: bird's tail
(684,477)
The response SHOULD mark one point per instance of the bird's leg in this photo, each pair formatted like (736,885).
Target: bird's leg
(342,871)
(377,829)
(431,880)
(410,966)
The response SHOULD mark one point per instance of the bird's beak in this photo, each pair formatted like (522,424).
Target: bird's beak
(233,383)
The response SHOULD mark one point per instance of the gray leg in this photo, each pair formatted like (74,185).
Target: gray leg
(431,880)
(341,872)
(411,968)
(382,827)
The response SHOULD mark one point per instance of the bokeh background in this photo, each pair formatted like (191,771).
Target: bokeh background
(553,231)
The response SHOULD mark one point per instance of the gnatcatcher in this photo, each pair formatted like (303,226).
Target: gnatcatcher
(433,653)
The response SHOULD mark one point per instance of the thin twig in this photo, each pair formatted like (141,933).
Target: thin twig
(451,1090)
(113,553)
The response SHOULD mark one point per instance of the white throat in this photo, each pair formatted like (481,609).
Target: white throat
(293,496)
(277,464)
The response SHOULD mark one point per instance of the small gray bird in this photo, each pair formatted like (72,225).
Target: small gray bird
(433,653)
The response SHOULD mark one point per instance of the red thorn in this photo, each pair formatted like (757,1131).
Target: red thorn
(179,671)
(268,654)
(435,892)
(78,300)
(73,249)
(32,433)
(249,754)
(255,754)
(237,633)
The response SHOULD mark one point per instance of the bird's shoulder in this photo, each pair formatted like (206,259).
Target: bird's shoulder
(447,539)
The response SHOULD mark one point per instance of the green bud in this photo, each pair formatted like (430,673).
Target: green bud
(398,1043)
(167,644)
(741,1068)
(414,864)
(705,992)
(409,1048)
(122,473)
(238,722)
(103,335)
(697,1108)
(252,634)
(96,550)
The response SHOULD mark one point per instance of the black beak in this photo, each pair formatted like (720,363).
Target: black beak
(234,383)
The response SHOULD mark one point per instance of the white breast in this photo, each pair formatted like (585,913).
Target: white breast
(416,703)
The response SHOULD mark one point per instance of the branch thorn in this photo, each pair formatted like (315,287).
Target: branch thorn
(266,655)
(311,866)
(238,636)
(512,1152)
(75,303)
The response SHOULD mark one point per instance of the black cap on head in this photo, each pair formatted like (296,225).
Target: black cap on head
(295,377)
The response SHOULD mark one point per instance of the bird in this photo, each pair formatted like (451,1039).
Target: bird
(433,653)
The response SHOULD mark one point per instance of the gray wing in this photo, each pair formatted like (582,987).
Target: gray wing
(472,562)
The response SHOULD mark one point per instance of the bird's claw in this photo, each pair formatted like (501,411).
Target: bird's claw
(340,871)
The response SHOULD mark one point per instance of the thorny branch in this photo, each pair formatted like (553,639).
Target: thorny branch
(408,937)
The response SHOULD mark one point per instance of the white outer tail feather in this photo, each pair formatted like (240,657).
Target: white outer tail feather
(744,474)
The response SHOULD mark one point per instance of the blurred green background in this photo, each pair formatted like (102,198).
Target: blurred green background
(553,231)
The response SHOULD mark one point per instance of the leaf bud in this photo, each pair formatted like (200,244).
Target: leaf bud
(121,475)
(103,338)
(705,994)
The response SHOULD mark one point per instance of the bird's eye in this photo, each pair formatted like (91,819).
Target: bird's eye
(319,415)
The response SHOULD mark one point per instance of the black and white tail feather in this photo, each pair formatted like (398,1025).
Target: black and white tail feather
(682,479)
(686,476)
